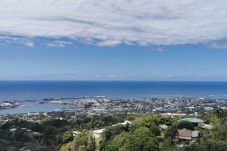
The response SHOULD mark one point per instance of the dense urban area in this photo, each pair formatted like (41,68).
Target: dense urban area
(102,104)
(103,124)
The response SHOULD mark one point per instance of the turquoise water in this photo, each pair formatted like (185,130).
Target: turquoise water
(33,107)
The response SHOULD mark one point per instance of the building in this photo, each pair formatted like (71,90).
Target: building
(195,121)
(185,134)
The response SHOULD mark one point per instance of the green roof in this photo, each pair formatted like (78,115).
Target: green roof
(163,126)
(206,126)
(193,120)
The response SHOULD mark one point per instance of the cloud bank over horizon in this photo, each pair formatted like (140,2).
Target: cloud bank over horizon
(59,23)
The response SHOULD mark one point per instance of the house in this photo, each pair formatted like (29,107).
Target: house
(195,121)
(185,134)
(195,134)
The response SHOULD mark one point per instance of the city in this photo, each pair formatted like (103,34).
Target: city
(113,75)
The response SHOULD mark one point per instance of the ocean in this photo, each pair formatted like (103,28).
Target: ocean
(23,90)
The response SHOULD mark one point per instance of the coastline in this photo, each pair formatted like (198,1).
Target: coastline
(102,104)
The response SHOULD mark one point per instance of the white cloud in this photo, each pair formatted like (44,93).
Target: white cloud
(222,44)
(114,22)
(108,43)
(28,43)
(59,43)
(106,76)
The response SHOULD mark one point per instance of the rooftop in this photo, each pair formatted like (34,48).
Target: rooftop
(193,120)
(206,126)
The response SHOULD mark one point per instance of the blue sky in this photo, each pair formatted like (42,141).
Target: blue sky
(88,62)
(113,40)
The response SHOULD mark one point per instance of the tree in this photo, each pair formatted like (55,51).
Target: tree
(21,135)
(145,140)
(150,122)
(208,145)
(83,142)
(168,146)
(112,131)
(141,139)
(67,137)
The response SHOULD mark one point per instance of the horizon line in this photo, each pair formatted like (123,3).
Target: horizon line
(113,80)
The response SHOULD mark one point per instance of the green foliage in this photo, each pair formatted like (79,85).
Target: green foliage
(119,142)
(21,135)
(55,123)
(218,119)
(141,139)
(168,146)
(2,146)
(209,145)
(139,136)
(169,121)
(112,131)
(6,125)
(150,122)
(144,139)
(67,137)
(83,142)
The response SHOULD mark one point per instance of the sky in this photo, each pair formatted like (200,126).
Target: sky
(165,40)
